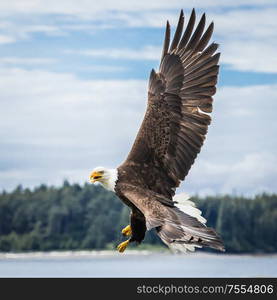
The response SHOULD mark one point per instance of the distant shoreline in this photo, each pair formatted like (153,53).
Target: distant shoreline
(113,253)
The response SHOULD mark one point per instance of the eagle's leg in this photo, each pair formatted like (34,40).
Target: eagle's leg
(136,230)
(122,246)
(127,230)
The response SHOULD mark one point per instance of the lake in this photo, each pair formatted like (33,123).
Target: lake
(135,264)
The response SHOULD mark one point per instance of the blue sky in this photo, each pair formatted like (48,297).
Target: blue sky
(73,82)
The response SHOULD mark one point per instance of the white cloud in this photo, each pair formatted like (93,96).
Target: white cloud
(251,174)
(240,151)
(246,23)
(145,53)
(55,125)
(86,8)
(27,61)
(248,39)
(4,39)
(16,30)
(47,29)
(247,35)
(102,69)
(251,56)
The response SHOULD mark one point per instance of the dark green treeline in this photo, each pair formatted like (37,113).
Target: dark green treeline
(73,217)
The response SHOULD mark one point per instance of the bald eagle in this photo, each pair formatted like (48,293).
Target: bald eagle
(169,139)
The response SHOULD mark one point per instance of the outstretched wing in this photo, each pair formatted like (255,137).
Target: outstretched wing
(179,100)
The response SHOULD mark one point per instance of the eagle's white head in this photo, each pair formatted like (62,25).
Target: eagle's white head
(107,177)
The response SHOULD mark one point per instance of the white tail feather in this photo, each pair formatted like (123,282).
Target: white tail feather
(183,248)
(183,234)
(188,207)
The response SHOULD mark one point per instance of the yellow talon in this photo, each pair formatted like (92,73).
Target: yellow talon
(121,247)
(127,230)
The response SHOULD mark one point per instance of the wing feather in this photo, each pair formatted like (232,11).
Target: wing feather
(196,36)
(188,31)
(178,32)
(205,38)
(166,40)
(179,100)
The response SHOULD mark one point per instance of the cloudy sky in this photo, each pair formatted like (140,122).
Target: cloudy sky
(73,78)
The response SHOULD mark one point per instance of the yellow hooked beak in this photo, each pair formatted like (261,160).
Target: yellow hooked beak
(95,176)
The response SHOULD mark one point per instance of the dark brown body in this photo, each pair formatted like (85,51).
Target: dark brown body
(137,219)
(171,136)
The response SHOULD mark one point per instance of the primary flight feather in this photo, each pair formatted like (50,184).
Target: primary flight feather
(169,139)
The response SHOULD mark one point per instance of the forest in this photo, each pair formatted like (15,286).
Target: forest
(75,217)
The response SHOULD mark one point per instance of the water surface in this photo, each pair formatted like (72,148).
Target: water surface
(136,264)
